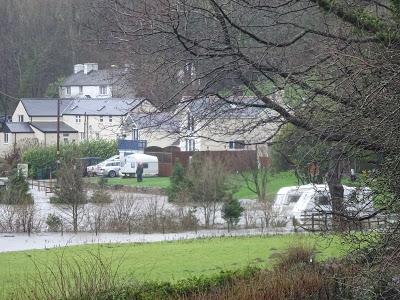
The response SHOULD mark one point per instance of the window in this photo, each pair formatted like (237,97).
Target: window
(135,134)
(68,90)
(190,145)
(190,120)
(234,145)
(77,118)
(66,140)
(82,135)
(65,134)
(80,90)
(293,198)
(20,118)
(103,90)
(101,118)
(5,138)
(110,119)
(145,166)
(322,200)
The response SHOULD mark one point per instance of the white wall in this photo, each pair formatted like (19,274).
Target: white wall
(92,91)
(20,110)
(21,139)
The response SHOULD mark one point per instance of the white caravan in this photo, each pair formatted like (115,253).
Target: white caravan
(294,201)
(130,162)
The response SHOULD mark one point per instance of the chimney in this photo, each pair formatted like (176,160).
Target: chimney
(78,68)
(89,67)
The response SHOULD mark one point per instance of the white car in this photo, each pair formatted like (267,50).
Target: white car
(108,168)
(94,170)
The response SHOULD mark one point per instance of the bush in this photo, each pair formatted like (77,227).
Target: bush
(18,190)
(53,222)
(178,183)
(41,158)
(100,196)
(231,211)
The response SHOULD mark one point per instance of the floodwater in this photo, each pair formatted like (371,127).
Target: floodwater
(43,240)
(21,241)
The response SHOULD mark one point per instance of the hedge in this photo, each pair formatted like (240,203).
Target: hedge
(42,159)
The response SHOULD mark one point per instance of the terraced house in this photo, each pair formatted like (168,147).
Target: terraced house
(35,122)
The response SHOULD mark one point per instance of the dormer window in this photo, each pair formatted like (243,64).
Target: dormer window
(68,90)
(103,90)
(21,118)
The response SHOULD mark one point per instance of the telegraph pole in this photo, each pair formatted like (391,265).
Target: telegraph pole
(58,133)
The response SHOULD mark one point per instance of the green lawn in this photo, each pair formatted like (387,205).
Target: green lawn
(166,261)
(158,182)
(276,181)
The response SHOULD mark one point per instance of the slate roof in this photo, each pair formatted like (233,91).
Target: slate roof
(51,127)
(233,107)
(102,107)
(161,120)
(99,77)
(17,127)
(92,107)
(44,107)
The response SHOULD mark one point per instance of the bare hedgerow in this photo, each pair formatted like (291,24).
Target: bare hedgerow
(86,276)
(19,218)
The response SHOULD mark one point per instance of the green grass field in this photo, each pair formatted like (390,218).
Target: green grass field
(165,261)
(276,181)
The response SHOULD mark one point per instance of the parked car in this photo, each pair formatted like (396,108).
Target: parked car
(108,168)
(92,170)
(85,162)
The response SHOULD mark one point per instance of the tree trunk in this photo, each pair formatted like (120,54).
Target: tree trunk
(336,191)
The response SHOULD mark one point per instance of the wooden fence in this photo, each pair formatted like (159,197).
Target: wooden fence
(233,160)
(322,221)
(46,186)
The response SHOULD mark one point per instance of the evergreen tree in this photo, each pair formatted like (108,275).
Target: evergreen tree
(18,190)
(178,182)
(231,212)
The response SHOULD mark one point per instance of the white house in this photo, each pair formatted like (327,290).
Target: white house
(84,119)
(236,123)
(88,81)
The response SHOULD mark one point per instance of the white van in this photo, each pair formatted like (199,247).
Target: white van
(129,164)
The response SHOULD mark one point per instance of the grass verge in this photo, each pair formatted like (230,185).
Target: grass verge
(165,261)
(276,181)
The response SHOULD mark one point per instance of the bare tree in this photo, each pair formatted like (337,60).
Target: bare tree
(333,60)
(69,193)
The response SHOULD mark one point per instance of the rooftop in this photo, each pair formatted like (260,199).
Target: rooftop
(95,77)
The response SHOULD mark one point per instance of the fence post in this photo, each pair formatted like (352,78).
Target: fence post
(312,221)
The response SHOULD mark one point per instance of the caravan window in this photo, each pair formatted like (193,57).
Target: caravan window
(133,165)
(145,166)
(293,198)
(322,200)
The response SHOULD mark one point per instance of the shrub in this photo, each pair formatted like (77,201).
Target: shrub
(100,196)
(178,183)
(18,190)
(41,158)
(231,211)
(53,222)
